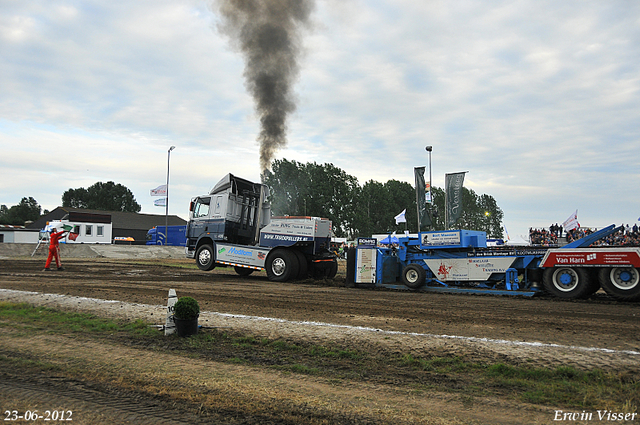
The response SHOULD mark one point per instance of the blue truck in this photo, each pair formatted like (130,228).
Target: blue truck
(177,236)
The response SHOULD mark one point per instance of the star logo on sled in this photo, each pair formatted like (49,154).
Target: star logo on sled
(444,270)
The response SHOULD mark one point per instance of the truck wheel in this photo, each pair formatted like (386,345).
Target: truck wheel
(333,270)
(303,271)
(413,276)
(243,271)
(622,283)
(567,282)
(206,258)
(282,265)
(321,270)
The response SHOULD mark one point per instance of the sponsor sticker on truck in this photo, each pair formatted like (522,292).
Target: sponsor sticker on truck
(234,254)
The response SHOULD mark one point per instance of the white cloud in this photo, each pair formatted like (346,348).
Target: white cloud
(537,99)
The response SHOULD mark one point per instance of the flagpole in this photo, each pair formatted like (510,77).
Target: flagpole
(446,204)
(429,149)
(415,178)
(166,208)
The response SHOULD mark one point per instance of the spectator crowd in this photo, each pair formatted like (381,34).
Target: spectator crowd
(627,236)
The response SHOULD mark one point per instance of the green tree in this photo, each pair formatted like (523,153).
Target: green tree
(313,190)
(478,212)
(102,196)
(379,203)
(327,191)
(27,210)
(372,210)
(286,183)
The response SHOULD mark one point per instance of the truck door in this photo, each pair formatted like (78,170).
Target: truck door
(199,219)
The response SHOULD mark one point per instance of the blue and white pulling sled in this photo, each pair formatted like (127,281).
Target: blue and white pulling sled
(460,261)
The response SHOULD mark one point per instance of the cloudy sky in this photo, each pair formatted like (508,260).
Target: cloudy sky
(539,100)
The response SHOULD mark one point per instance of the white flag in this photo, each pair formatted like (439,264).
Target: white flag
(162,202)
(159,191)
(400,218)
(572,222)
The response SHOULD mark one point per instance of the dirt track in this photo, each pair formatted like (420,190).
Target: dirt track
(599,323)
(597,333)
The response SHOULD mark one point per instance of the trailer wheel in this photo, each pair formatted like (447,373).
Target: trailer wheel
(303,271)
(622,283)
(206,258)
(413,276)
(282,265)
(567,282)
(243,271)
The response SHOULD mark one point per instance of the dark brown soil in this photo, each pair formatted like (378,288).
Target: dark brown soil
(567,330)
(592,323)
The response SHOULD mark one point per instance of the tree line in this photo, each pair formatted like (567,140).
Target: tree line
(311,189)
(101,196)
(324,190)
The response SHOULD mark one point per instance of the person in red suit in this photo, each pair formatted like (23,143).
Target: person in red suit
(54,249)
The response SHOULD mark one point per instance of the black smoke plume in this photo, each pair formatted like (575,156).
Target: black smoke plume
(268,34)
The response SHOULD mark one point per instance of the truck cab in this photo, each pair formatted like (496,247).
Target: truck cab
(234,211)
(232,226)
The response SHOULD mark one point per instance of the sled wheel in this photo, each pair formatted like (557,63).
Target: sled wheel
(413,276)
(622,283)
(567,282)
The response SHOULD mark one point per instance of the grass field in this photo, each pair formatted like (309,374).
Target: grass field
(561,387)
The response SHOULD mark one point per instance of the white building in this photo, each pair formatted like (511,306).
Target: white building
(94,231)
(17,234)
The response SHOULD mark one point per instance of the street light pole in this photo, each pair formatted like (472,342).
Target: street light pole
(166,210)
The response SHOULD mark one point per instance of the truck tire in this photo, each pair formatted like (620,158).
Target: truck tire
(206,258)
(282,265)
(567,282)
(333,270)
(243,271)
(303,271)
(322,270)
(414,276)
(622,283)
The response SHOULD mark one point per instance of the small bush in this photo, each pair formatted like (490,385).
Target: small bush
(186,308)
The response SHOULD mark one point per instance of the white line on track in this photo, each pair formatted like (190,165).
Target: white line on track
(454,337)
(349,327)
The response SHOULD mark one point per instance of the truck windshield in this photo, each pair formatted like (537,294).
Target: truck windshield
(201,209)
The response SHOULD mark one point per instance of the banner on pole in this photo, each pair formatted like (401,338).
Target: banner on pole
(572,222)
(159,191)
(162,202)
(453,189)
(421,196)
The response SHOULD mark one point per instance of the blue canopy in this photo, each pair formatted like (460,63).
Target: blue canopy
(385,241)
